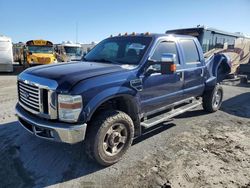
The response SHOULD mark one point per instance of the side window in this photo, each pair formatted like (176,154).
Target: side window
(219,42)
(190,51)
(165,47)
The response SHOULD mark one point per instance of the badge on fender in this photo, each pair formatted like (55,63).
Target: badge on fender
(136,84)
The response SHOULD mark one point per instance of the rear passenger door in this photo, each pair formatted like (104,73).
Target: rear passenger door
(193,69)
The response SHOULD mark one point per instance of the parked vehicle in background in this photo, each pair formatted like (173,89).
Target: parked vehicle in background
(87,47)
(39,52)
(244,72)
(68,51)
(235,45)
(125,84)
(6,54)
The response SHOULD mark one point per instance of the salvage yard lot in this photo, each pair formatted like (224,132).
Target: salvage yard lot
(194,150)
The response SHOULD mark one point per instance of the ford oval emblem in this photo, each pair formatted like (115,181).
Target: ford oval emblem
(26,95)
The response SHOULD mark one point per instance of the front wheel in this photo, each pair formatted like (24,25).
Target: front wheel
(212,99)
(109,136)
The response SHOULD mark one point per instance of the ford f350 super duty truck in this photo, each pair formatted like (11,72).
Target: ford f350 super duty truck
(124,85)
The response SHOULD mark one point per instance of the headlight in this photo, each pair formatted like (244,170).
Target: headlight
(69,107)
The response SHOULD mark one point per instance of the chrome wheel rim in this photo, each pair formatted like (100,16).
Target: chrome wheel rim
(217,98)
(115,139)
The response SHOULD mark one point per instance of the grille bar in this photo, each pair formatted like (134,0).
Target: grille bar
(29,105)
(29,101)
(29,96)
(29,86)
(29,90)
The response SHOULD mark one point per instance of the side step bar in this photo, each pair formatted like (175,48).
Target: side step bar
(166,116)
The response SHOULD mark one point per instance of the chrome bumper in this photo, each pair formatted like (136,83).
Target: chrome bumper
(56,131)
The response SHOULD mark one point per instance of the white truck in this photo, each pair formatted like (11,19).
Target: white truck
(69,51)
(6,54)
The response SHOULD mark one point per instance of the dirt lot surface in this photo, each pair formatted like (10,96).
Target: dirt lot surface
(194,150)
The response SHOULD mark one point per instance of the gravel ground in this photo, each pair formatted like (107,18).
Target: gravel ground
(194,150)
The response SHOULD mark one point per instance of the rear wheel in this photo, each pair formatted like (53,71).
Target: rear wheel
(109,136)
(220,74)
(212,99)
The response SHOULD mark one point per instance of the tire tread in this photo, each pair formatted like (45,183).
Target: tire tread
(103,121)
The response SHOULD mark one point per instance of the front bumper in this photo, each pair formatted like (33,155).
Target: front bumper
(56,131)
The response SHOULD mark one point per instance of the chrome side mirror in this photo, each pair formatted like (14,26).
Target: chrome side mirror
(165,65)
(168,58)
(168,65)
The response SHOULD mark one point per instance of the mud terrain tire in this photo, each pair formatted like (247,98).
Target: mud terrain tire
(109,136)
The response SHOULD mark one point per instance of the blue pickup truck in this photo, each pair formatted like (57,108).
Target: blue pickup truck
(124,85)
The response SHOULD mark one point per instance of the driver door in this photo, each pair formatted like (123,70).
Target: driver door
(160,90)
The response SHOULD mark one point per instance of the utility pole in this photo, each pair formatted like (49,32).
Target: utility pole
(76,31)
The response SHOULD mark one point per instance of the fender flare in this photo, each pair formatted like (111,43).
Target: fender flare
(221,60)
(217,61)
(106,95)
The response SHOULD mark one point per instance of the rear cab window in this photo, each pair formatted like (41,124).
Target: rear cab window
(191,54)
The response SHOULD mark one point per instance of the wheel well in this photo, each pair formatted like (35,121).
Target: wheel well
(223,70)
(124,104)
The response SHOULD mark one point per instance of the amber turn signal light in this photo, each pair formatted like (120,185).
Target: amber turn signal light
(173,68)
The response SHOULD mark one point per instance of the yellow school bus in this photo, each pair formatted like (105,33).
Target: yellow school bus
(39,52)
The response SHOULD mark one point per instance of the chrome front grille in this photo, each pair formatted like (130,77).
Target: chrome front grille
(37,99)
(37,95)
(29,96)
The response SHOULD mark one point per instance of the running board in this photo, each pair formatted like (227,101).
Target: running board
(166,116)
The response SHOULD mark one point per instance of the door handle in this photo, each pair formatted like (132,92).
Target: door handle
(178,73)
(181,75)
(202,72)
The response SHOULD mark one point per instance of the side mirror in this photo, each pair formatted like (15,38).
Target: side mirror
(168,65)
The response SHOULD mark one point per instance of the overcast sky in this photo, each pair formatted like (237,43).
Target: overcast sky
(57,20)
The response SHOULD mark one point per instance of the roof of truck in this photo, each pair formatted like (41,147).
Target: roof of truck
(153,35)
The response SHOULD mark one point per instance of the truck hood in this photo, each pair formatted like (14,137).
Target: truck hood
(68,74)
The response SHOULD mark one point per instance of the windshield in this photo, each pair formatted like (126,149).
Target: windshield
(41,49)
(73,50)
(120,50)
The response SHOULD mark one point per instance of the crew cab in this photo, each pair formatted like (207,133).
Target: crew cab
(124,85)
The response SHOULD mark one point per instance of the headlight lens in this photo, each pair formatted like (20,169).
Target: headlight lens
(69,107)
